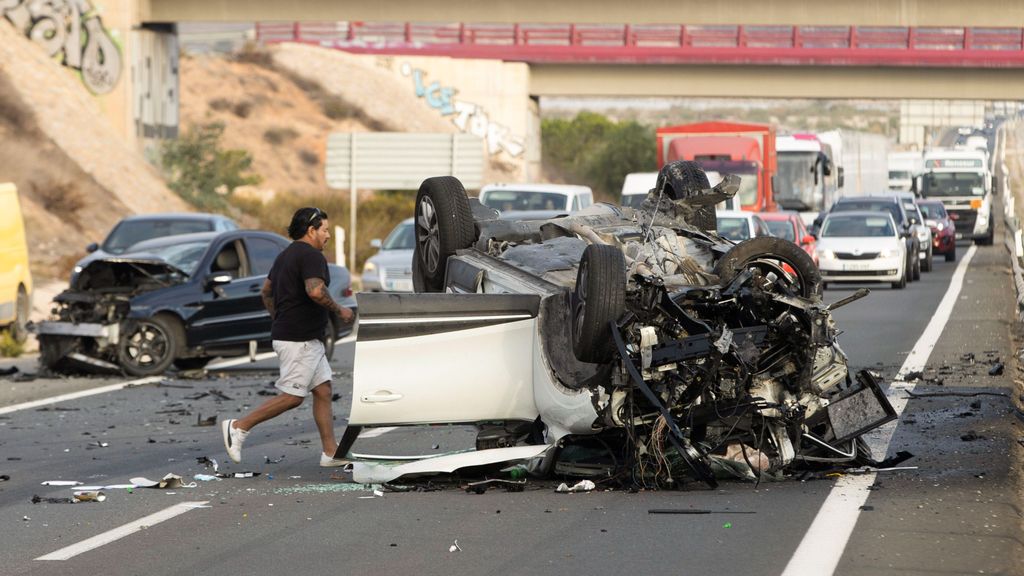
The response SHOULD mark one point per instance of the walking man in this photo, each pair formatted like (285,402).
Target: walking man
(295,293)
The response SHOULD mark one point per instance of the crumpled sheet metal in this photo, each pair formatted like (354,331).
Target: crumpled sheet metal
(381,472)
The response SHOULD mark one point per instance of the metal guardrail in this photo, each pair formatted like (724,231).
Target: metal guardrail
(1012,232)
(834,45)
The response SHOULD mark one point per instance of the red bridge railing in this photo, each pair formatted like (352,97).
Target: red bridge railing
(653,44)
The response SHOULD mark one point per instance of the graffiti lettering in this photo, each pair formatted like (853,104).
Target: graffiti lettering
(57,26)
(467,117)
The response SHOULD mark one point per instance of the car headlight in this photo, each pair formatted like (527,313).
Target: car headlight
(369,268)
(888,253)
(940,226)
(826,254)
(78,269)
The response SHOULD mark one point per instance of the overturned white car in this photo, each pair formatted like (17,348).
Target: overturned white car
(681,353)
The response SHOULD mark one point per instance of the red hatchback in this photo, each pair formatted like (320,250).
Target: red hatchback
(943,228)
(789,226)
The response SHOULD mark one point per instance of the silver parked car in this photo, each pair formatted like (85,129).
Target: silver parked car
(390,269)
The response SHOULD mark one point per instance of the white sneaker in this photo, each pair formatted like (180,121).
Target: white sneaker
(233,439)
(331,462)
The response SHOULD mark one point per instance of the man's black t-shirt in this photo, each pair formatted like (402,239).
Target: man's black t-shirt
(296,317)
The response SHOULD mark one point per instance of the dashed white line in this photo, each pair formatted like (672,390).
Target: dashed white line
(822,547)
(121,531)
(80,394)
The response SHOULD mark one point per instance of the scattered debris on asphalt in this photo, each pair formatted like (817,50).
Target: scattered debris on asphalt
(455,547)
(168,482)
(912,376)
(996,369)
(581,486)
(10,371)
(269,460)
(867,508)
(211,421)
(960,394)
(481,486)
(206,477)
(60,483)
(208,462)
(971,436)
(4,477)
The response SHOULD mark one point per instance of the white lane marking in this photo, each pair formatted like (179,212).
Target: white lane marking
(374,432)
(442,319)
(264,356)
(122,531)
(241,360)
(81,394)
(823,544)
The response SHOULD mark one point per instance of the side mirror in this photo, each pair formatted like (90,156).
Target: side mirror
(92,247)
(218,280)
(376,243)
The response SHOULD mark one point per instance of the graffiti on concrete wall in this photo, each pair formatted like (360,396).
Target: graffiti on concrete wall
(467,117)
(73,31)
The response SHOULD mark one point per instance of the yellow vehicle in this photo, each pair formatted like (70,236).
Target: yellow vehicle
(15,279)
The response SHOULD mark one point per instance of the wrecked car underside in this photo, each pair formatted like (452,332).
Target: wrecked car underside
(655,346)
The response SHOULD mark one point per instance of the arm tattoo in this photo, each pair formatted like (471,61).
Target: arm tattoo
(317,292)
(267,295)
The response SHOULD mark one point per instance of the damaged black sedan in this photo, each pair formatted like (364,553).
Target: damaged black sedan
(640,333)
(179,300)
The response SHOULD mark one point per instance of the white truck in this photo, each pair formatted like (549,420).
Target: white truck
(637,184)
(961,179)
(904,167)
(815,170)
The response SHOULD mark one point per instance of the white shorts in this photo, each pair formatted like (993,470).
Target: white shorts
(304,366)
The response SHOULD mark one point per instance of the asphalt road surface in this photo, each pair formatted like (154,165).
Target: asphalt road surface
(957,512)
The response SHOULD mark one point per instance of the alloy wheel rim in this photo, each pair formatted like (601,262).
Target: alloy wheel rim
(427,234)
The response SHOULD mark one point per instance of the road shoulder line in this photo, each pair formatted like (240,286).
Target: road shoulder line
(825,541)
(79,394)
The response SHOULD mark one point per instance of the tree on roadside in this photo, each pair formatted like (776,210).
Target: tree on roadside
(203,173)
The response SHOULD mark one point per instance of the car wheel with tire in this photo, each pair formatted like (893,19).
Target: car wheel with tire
(149,345)
(769,254)
(926,266)
(688,178)
(902,282)
(915,270)
(598,299)
(951,255)
(443,224)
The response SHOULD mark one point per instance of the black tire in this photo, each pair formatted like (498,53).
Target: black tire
(149,345)
(444,224)
(598,299)
(689,180)
(419,283)
(926,266)
(192,363)
(902,282)
(951,255)
(766,252)
(19,329)
(917,267)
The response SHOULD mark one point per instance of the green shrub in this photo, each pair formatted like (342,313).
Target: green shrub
(278,136)
(591,149)
(203,173)
(9,347)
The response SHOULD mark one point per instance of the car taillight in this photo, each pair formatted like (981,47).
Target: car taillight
(347,292)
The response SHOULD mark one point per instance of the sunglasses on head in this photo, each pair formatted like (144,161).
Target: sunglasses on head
(316,214)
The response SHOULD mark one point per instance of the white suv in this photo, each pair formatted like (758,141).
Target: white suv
(562,198)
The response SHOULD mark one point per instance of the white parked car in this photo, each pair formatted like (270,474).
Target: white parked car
(390,269)
(563,198)
(861,247)
(739,225)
